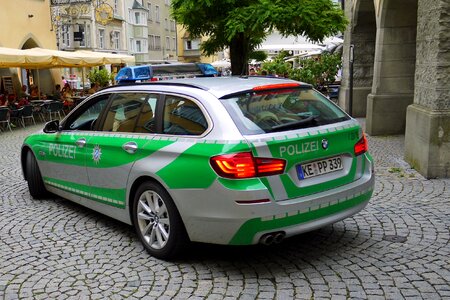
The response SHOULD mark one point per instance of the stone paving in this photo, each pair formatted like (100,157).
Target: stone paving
(396,248)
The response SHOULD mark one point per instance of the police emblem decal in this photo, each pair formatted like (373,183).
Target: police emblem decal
(325,144)
(96,154)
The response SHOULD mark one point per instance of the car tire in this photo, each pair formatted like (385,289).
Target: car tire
(157,222)
(35,183)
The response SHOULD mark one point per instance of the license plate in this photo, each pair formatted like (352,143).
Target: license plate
(319,167)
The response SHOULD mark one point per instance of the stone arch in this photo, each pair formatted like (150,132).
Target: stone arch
(361,32)
(29,41)
(394,68)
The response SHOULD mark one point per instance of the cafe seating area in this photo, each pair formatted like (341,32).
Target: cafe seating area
(34,112)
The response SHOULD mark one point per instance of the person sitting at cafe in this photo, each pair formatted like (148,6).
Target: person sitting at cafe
(57,94)
(93,88)
(67,94)
(34,92)
(23,92)
(3,100)
(34,95)
(22,102)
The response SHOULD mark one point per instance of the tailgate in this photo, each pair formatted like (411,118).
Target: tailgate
(318,159)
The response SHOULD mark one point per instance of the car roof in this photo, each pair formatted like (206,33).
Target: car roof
(223,86)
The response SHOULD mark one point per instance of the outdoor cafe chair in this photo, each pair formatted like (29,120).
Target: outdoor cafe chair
(52,109)
(4,118)
(16,117)
(27,113)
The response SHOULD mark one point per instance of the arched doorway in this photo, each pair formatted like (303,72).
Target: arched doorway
(394,68)
(33,77)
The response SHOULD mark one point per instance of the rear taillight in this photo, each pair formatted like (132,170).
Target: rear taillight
(361,146)
(245,165)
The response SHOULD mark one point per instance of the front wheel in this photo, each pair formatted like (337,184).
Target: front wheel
(157,221)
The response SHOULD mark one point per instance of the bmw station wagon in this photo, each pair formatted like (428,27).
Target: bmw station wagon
(222,160)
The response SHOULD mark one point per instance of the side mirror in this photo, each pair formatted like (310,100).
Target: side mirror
(52,127)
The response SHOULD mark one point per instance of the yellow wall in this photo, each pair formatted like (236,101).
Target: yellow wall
(16,28)
(180,41)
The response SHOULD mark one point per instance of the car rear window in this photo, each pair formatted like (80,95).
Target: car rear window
(281,110)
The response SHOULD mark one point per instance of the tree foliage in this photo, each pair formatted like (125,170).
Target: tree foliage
(258,55)
(101,77)
(242,25)
(278,66)
(317,71)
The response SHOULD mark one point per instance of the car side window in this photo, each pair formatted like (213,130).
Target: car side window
(124,111)
(183,117)
(86,117)
(146,120)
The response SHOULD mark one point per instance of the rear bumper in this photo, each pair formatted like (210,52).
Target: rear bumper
(213,216)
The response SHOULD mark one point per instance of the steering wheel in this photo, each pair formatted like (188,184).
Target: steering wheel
(267,117)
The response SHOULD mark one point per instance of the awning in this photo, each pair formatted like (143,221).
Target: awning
(39,58)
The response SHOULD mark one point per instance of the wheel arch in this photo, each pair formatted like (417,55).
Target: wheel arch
(23,159)
(133,189)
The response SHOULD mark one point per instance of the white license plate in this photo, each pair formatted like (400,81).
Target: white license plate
(319,167)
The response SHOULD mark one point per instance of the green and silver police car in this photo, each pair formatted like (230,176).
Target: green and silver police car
(224,160)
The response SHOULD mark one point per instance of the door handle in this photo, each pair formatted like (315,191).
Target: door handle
(81,142)
(130,147)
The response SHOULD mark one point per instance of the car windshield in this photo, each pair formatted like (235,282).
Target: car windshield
(281,110)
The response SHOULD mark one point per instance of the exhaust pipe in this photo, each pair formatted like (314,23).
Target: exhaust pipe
(267,239)
(279,237)
(272,238)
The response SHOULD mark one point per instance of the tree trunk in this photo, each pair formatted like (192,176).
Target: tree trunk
(239,55)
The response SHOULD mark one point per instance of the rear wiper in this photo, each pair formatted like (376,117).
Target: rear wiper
(294,125)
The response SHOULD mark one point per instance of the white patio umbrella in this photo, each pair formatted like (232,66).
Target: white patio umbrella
(224,64)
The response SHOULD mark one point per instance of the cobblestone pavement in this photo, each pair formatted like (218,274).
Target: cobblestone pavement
(398,247)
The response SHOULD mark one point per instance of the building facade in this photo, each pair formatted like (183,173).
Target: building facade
(151,32)
(89,25)
(401,79)
(25,28)
(189,48)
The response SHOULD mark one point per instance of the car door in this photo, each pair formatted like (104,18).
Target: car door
(113,149)
(63,153)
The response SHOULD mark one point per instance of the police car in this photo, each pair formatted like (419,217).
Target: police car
(223,160)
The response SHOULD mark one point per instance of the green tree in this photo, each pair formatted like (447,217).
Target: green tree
(317,71)
(242,25)
(278,66)
(258,55)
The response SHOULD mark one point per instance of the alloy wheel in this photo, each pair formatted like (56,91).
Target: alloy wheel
(153,219)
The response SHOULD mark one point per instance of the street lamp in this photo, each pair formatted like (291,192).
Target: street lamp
(350,96)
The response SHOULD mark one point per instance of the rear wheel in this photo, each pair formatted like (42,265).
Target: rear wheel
(34,178)
(157,221)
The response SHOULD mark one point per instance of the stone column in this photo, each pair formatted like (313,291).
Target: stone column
(427,138)
(395,54)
